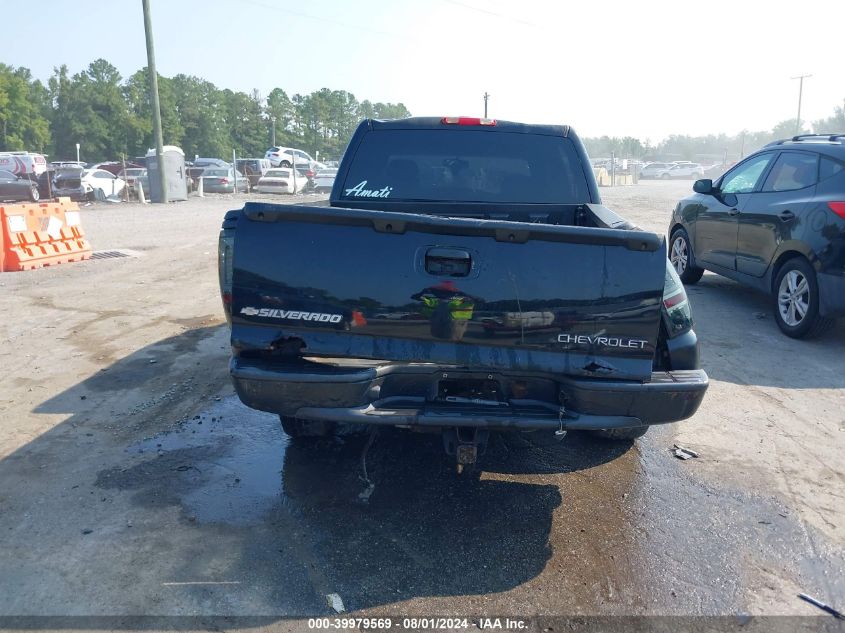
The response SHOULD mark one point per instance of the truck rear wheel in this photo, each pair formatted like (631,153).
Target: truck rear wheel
(621,434)
(297,428)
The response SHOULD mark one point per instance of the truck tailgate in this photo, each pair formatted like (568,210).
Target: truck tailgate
(420,288)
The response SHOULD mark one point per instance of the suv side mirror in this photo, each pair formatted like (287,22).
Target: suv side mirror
(705,185)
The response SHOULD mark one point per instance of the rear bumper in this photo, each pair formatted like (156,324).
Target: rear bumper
(402,395)
(831,294)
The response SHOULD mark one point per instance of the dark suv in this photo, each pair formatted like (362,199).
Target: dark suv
(776,222)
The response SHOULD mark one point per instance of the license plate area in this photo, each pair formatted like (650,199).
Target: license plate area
(469,389)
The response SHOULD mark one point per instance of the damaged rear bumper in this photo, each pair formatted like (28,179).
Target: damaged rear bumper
(406,395)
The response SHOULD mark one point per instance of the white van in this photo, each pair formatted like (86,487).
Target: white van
(23,163)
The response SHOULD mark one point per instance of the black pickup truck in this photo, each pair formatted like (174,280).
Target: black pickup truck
(463,278)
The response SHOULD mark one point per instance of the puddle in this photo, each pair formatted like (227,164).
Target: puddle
(226,461)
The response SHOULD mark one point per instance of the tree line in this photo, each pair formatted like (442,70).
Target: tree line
(715,147)
(110,116)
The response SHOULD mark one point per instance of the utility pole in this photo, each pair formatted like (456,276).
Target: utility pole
(273,119)
(151,68)
(800,79)
(486,96)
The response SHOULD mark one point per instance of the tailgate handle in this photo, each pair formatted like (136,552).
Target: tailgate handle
(448,262)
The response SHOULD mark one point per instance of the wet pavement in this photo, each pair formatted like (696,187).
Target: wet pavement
(223,515)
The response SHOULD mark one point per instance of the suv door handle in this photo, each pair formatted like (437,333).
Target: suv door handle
(733,212)
(787,215)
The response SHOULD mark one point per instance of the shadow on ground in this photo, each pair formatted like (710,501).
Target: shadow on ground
(130,508)
(742,344)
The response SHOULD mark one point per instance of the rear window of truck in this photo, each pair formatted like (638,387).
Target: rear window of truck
(466,166)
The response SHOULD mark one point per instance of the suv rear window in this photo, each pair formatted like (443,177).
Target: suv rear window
(466,166)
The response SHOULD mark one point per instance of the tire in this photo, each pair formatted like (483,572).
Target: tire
(664,176)
(285,164)
(34,196)
(796,301)
(682,258)
(299,429)
(621,435)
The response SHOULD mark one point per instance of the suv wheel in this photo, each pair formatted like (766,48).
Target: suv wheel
(621,435)
(682,258)
(285,164)
(664,176)
(299,429)
(796,300)
(34,195)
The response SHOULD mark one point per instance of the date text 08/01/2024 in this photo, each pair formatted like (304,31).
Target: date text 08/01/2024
(416,624)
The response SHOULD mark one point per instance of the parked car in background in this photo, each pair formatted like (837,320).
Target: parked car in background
(45,183)
(67,182)
(134,176)
(217,180)
(308,173)
(86,184)
(650,170)
(99,180)
(324,180)
(253,168)
(115,167)
(210,162)
(27,164)
(775,222)
(14,187)
(287,156)
(196,168)
(280,180)
(194,174)
(681,170)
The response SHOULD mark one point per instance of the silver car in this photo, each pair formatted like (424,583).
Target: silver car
(651,170)
(692,171)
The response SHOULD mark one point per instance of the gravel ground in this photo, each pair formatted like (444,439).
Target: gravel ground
(133,483)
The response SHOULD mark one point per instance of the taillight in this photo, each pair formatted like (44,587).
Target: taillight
(838,208)
(466,120)
(225,249)
(224,181)
(677,314)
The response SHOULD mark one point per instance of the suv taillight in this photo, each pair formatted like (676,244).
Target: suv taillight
(677,315)
(838,208)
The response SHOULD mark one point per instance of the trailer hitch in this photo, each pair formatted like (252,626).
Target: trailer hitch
(466,444)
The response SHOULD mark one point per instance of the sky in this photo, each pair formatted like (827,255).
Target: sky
(642,68)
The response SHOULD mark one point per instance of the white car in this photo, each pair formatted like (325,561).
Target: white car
(681,170)
(280,180)
(324,180)
(108,183)
(285,157)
